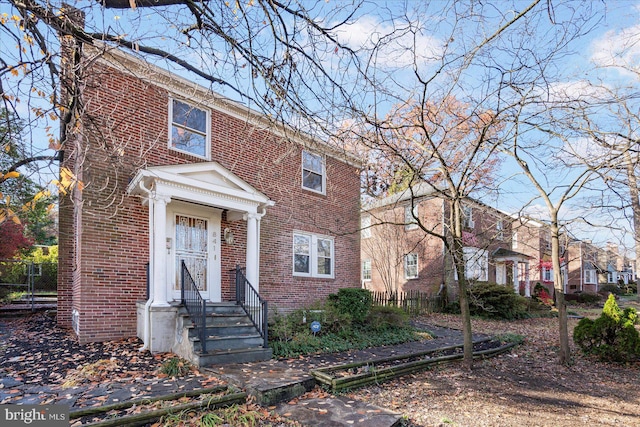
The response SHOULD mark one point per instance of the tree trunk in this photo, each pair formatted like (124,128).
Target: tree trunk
(635,201)
(558,280)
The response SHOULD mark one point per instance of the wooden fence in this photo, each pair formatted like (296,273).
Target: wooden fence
(413,302)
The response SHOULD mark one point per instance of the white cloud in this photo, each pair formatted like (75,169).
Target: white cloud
(619,48)
(581,90)
(399,47)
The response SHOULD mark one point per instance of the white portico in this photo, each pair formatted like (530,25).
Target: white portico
(185,210)
(520,269)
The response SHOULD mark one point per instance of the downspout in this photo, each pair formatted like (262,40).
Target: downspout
(146,316)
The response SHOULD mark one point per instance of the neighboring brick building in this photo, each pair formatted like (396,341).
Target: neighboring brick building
(172,171)
(397,255)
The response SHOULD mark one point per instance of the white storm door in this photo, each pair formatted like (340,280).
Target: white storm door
(195,241)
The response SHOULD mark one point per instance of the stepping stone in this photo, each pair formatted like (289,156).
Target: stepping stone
(338,412)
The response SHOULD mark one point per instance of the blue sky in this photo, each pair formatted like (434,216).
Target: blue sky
(612,41)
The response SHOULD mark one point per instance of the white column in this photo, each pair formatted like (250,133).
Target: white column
(516,283)
(159,256)
(253,249)
(527,282)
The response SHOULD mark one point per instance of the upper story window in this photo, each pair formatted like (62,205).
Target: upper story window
(410,215)
(313,256)
(467,217)
(189,131)
(313,172)
(499,230)
(365,226)
(411,266)
(514,240)
(547,274)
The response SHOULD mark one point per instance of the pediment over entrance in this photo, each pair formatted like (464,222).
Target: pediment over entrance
(207,183)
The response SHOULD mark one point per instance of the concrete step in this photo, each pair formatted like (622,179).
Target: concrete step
(232,342)
(213,358)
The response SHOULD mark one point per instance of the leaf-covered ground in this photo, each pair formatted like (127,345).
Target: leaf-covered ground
(525,387)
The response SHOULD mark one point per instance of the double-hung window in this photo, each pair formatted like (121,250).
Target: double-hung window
(476,264)
(190,129)
(590,277)
(313,255)
(499,230)
(467,217)
(366,270)
(411,266)
(547,274)
(313,172)
(410,215)
(365,226)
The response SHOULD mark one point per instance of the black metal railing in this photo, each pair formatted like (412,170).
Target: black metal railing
(195,304)
(252,303)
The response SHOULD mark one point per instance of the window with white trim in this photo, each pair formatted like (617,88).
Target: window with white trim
(313,255)
(410,215)
(189,130)
(365,226)
(411,266)
(467,217)
(514,240)
(590,277)
(499,230)
(313,172)
(476,264)
(547,274)
(366,270)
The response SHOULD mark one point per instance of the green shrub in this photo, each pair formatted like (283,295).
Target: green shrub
(356,302)
(381,318)
(588,298)
(493,301)
(612,336)
(610,289)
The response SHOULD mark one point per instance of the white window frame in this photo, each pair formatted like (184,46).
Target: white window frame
(590,276)
(476,260)
(410,264)
(547,274)
(409,219)
(323,172)
(366,270)
(514,240)
(365,226)
(467,217)
(499,230)
(313,255)
(206,134)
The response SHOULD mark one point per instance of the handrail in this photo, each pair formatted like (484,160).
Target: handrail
(252,303)
(195,304)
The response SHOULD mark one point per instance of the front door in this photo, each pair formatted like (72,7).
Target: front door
(195,232)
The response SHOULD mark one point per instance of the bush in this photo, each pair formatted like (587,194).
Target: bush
(587,298)
(387,317)
(493,301)
(356,302)
(611,337)
(610,289)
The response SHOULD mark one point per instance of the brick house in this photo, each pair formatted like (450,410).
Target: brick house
(174,172)
(397,255)
(533,238)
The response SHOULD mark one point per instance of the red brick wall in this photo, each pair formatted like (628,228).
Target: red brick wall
(125,128)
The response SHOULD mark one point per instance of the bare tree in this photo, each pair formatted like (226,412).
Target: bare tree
(281,59)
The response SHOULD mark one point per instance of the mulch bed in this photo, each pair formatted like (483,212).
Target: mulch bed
(43,364)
